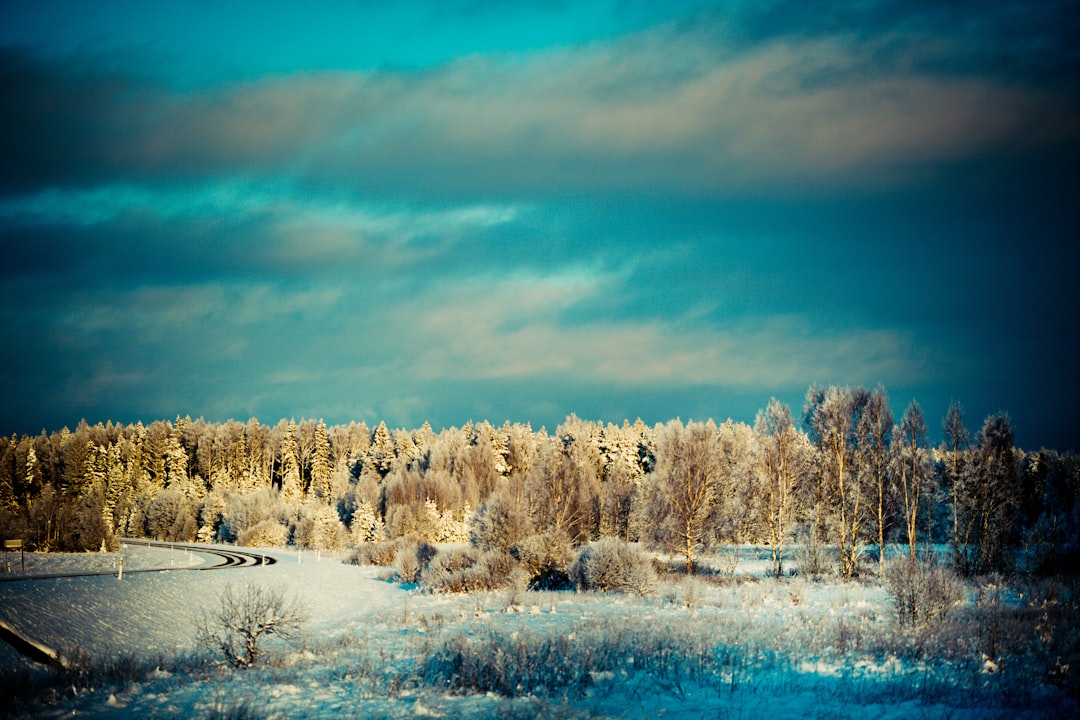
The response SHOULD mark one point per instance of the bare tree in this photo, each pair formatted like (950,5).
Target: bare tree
(244,619)
(988,500)
(874,434)
(911,469)
(832,416)
(783,461)
(558,497)
(956,442)
(684,498)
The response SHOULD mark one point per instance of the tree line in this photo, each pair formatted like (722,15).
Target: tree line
(839,483)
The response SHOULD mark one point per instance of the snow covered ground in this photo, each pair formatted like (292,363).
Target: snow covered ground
(753,648)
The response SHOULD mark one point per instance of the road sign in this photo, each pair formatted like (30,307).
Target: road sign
(17,544)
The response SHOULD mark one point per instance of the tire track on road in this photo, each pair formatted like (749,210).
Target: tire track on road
(41,653)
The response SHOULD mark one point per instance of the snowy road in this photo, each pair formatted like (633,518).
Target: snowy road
(222,558)
(155,612)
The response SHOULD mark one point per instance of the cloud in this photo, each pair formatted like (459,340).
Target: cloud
(128,235)
(503,329)
(672,107)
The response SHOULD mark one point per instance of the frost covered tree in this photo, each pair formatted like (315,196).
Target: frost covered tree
(117,484)
(683,497)
(292,492)
(245,618)
(621,480)
(832,416)
(380,453)
(874,436)
(956,442)
(176,461)
(366,525)
(322,473)
(784,456)
(739,507)
(503,520)
(912,472)
(557,498)
(320,528)
(988,501)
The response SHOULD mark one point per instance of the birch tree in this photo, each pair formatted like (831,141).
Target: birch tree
(911,470)
(874,435)
(684,497)
(783,464)
(832,416)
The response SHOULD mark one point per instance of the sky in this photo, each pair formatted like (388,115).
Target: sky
(459,210)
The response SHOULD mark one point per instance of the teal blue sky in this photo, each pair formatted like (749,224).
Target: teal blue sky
(447,211)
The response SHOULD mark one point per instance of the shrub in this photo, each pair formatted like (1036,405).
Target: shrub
(524,663)
(611,565)
(461,570)
(812,557)
(381,554)
(923,592)
(268,533)
(544,555)
(412,558)
(245,619)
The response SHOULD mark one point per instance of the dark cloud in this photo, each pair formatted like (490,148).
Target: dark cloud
(1035,43)
(660,109)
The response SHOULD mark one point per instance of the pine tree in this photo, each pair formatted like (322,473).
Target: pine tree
(176,462)
(8,501)
(381,454)
(321,470)
(292,492)
(32,477)
(366,525)
(117,482)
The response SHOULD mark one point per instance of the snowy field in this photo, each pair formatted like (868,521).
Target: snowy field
(748,647)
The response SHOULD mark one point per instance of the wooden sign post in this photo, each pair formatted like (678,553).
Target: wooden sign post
(10,545)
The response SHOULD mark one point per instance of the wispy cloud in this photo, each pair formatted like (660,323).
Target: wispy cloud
(510,329)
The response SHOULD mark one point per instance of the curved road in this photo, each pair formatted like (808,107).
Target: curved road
(42,654)
(228,559)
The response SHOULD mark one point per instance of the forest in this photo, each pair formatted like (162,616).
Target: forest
(836,484)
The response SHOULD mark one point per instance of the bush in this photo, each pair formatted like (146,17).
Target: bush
(611,565)
(412,558)
(545,555)
(245,619)
(462,570)
(923,592)
(812,557)
(380,554)
(268,533)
